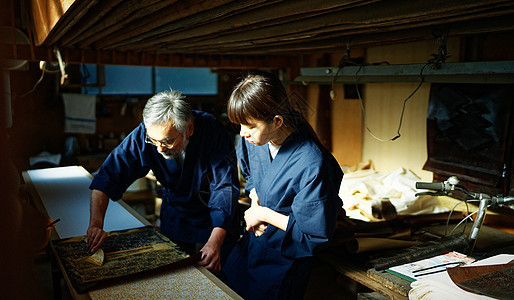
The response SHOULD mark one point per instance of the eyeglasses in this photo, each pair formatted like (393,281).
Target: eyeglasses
(167,143)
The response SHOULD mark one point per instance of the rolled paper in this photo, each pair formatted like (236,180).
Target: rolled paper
(365,244)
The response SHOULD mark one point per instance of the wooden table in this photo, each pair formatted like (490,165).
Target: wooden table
(63,193)
(391,286)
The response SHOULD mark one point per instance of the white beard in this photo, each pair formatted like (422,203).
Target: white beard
(171,154)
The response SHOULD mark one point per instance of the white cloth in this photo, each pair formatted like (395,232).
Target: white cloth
(360,189)
(79,113)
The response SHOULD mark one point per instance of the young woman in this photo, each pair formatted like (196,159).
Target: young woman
(293,182)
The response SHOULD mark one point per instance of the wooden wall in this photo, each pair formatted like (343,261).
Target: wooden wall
(345,115)
(383,106)
(351,142)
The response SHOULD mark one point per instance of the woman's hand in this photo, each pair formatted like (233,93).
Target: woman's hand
(258,217)
(259,230)
(253,218)
(258,227)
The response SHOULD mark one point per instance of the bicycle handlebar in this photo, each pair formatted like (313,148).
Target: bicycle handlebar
(436,186)
(503,200)
(444,188)
(451,184)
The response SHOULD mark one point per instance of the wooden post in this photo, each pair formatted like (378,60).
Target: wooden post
(324,109)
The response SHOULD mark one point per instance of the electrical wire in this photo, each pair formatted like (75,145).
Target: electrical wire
(398,134)
(43,72)
(435,62)
(451,212)
(463,220)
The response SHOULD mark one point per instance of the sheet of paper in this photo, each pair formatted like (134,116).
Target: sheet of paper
(418,269)
(65,194)
(440,285)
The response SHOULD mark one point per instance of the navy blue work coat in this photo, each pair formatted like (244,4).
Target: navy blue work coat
(197,197)
(302,182)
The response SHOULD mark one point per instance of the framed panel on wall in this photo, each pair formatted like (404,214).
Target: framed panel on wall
(470,132)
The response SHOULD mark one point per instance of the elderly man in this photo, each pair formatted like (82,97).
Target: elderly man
(193,158)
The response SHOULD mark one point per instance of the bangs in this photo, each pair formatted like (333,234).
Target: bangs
(251,100)
(237,111)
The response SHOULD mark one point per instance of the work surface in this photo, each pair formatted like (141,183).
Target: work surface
(63,193)
(356,266)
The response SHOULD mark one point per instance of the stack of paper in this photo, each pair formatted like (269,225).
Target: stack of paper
(440,286)
(415,270)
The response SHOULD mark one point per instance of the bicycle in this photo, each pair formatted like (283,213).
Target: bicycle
(486,201)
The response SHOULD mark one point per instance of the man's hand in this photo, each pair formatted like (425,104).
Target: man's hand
(211,251)
(95,238)
(95,233)
(211,257)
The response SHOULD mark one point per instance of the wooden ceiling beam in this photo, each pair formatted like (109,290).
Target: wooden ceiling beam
(117,9)
(188,12)
(332,41)
(45,15)
(337,33)
(264,16)
(120,18)
(67,19)
(123,28)
(75,56)
(343,22)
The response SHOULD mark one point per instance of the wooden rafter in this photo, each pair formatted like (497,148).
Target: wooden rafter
(126,29)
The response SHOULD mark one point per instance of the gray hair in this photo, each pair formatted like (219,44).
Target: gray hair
(169,106)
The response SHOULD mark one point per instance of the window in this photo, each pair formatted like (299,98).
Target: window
(133,80)
(190,81)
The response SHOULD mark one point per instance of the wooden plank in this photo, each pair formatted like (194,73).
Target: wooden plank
(189,10)
(336,41)
(346,121)
(324,110)
(263,26)
(67,19)
(92,16)
(190,16)
(356,21)
(46,14)
(120,17)
(390,281)
(359,275)
(75,56)
(272,14)
(325,27)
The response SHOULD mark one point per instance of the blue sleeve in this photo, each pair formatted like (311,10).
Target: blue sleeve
(244,163)
(121,168)
(225,183)
(314,214)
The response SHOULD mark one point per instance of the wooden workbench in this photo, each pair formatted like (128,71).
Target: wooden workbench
(390,286)
(63,193)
